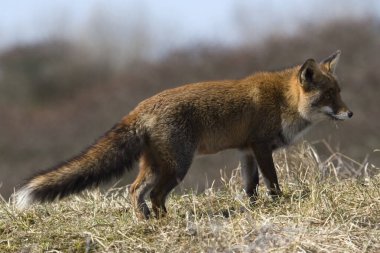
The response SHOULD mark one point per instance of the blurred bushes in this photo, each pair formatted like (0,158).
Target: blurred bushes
(55,97)
(47,72)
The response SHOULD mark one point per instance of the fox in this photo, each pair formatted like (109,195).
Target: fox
(256,115)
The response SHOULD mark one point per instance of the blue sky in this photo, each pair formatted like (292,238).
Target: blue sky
(172,22)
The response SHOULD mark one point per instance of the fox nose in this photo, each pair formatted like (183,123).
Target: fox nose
(350,114)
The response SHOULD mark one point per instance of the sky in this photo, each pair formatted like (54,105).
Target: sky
(171,23)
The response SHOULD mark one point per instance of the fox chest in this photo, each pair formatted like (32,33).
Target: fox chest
(291,132)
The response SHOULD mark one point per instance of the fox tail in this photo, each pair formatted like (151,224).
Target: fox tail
(109,157)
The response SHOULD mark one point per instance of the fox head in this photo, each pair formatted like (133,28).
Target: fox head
(319,91)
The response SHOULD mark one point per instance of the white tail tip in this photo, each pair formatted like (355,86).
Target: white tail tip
(23,198)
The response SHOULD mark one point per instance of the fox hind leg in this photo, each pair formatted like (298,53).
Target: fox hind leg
(160,191)
(142,185)
(172,174)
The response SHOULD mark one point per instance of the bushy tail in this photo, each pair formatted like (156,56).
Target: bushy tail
(109,157)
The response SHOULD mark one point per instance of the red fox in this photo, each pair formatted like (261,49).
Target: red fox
(257,115)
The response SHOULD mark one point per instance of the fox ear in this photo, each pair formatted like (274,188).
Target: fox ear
(308,73)
(331,62)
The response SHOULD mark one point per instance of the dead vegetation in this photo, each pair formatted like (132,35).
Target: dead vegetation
(322,210)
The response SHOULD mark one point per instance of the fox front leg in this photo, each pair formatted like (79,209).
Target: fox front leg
(250,174)
(263,154)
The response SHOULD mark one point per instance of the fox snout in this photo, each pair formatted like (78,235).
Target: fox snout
(342,114)
(345,114)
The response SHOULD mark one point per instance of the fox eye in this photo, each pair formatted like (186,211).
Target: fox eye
(328,94)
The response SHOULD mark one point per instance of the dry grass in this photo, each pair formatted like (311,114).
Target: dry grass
(331,206)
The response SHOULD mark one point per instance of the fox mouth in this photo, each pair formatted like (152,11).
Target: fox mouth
(340,116)
(333,117)
(336,117)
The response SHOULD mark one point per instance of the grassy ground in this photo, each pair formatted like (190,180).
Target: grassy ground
(330,206)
